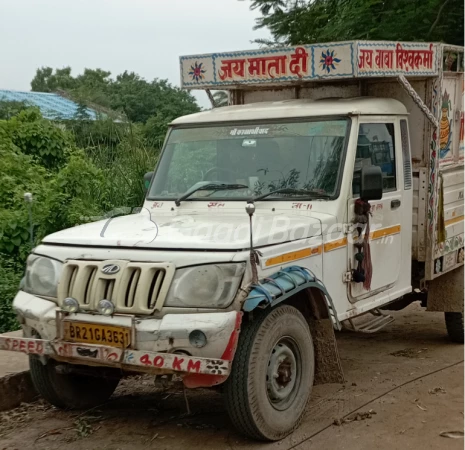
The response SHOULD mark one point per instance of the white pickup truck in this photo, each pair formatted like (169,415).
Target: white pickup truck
(329,191)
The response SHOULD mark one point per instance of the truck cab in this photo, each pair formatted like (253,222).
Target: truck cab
(313,157)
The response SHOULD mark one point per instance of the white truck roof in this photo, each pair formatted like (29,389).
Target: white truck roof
(296,108)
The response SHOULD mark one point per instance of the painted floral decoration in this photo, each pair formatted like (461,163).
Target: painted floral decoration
(329,61)
(197,72)
(445,130)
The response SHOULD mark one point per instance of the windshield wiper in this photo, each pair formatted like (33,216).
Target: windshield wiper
(209,186)
(292,191)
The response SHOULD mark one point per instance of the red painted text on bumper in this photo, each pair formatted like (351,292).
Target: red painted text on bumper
(116,357)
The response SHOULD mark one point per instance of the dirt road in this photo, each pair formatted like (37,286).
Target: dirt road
(404,387)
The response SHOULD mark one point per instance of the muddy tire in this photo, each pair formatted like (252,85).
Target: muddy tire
(454,324)
(70,391)
(272,374)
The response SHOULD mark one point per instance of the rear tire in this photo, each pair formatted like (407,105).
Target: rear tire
(454,324)
(272,374)
(70,391)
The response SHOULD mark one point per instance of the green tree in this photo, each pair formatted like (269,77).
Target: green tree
(221,98)
(93,86)
(308,21)
(129,93)
(46,80)
(140,99)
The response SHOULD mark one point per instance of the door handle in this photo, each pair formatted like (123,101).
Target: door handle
(395,204)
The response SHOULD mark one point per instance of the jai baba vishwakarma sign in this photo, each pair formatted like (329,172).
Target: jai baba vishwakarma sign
(309,62)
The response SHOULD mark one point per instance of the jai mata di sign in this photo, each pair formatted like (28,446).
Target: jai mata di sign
(309,62)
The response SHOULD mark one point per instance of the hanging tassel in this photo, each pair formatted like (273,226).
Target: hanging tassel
(364,270)
(366,263)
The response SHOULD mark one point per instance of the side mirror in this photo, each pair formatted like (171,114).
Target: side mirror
(371,183)
(147,180)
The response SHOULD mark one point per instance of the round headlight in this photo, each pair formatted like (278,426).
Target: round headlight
(70,305)
(42,276)
(105,307)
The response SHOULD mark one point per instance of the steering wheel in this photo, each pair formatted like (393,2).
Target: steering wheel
(218,170)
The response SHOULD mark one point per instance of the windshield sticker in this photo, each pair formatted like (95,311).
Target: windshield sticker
(248,131)
(330,128)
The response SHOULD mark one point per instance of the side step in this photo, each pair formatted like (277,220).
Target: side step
(372,325)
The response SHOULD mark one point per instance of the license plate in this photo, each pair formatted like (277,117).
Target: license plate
(90,333)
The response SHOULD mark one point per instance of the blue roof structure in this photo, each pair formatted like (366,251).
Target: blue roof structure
(52,106)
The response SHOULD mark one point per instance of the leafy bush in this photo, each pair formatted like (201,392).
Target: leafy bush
(10,276)
(10,108)
(77,172)
(19,174)
(37,137)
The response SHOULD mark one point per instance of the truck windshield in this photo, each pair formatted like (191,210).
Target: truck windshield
(305,156)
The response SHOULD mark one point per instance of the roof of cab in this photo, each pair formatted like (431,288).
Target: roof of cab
(296,108)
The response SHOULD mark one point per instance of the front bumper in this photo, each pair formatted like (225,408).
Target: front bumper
(158,345)
(116,357)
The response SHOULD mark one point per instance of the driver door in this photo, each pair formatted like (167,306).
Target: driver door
(377,144)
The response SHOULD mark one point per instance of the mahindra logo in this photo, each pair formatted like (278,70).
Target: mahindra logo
(110,269)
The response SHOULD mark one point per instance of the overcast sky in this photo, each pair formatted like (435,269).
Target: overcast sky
(144,36)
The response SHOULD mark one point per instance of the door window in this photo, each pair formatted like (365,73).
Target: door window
(375,147)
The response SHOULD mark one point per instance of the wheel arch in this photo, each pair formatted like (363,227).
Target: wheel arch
(287,283)
(311,298)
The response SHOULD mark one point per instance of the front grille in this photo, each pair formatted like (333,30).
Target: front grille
(137,288)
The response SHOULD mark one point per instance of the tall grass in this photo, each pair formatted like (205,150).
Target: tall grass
(124,154)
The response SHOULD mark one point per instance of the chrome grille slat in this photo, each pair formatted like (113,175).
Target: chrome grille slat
(80,286)
(137,288)
(72,279)
(89,286)
(109,289)
(131,289)
(155,288)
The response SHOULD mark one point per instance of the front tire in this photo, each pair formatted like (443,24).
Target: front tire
(454,324)
(272,374)
(70,391)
